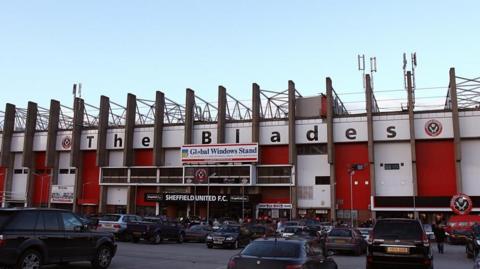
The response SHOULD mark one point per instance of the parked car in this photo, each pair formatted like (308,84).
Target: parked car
(232,236)
(399,242)
(155,230)
(31,238)
(282,253)
(365,233)
(459,227)
(292,230)
(429,231)
(472,246)
(258,231)
(346,239)
(117,224)
(285,224)
(197,233)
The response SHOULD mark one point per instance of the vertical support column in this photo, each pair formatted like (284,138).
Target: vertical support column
(222,113)
(102,152)
(456,130)
(158,151)
(331,150)
(51,154)
(128,153)
(6,159)
(413,150)
(28,160)
(255,113)
(75,153)
(189,116)
(371,152)
(292,146)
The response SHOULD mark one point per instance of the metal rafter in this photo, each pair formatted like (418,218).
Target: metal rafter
(274,105)
(174,112)
(2,120)
(90,116)
(20,119)
(204,111)
(65,121)
(42,119)
(236,110)
(145,113)
(117,115)
(468,93)
(338,106)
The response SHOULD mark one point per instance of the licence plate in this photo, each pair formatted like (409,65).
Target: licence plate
(217,242)
(340,241)
(398,250)
(137,233)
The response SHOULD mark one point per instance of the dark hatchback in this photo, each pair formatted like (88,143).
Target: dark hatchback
(232,236)
(282,253)
(399,243)
(30,238)
(472,247)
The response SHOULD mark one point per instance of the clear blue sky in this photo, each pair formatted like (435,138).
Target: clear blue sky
(116,47)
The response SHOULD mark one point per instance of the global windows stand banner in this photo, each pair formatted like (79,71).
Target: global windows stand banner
(219,153)
(62,194)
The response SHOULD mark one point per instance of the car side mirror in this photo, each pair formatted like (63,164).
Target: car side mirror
(330,253)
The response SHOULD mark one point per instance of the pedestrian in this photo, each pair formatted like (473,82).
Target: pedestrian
(439,232)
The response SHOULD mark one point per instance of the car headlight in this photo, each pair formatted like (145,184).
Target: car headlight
(209,237)
(478,242)
(229,238)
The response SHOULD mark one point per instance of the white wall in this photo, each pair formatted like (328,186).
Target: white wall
(393,182)
(308,167)
(64,163)
(115,158)
(471,167)
(117,195)
(19,181)
(172,157)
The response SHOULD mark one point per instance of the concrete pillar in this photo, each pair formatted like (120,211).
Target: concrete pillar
(255,113)
(371,152)
(189,116)
(28,155)
(292,146)
(53,119)
(331,150)
(456,130)
(413,150)
(158,151)
(75,152)
(8,128)
(102,152)
(128,154)
(221,114)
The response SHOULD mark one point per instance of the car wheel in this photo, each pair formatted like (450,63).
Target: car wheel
(103,258)
(30,259)
(157,239)
(180,238)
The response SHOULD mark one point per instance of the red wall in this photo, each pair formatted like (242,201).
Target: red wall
(274,155)
(346,155)
(143,157)
(436,168)
(2,181)
(41,180)
(140,199)
(90,174)
(279,195)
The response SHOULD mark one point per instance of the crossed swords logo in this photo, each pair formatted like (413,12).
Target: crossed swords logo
(461,204)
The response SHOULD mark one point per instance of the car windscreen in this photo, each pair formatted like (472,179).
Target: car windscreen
(406,230)
(110,218)
(229,229)
(427,228)
(290,229)
(278,249)
(340,233)
(4,217)
(198,228)
(291,223)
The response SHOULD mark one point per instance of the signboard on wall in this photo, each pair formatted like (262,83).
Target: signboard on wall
(62,194)
(219,153)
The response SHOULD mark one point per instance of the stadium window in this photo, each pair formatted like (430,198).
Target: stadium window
(311,149)
(322,180)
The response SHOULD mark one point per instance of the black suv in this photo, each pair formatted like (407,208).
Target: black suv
(155,230)
(232,236)
(400,242)
(30,238)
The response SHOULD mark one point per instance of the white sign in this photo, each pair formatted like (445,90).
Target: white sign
(274,206)
(62,194)
(219,153)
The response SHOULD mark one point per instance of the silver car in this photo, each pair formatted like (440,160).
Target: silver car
(116,224)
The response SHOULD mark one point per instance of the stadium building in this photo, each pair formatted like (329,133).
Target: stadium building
(282,155)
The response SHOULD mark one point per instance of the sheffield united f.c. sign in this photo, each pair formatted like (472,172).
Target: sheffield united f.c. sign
(461,204)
